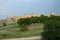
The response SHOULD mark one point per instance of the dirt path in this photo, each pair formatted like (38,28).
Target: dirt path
(28,38)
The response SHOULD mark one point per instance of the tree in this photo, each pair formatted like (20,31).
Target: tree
(4,24)
(51,30)
(22,24)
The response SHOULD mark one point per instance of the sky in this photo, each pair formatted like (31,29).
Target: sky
(20,7)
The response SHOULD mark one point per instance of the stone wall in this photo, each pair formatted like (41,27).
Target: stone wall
(15,18)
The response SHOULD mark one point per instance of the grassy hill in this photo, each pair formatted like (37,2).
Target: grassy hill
(13,31)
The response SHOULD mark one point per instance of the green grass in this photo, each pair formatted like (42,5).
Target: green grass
(13,31)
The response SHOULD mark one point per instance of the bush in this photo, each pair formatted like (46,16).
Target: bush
(22,24)
(4,24)
(51,30)
(23,28)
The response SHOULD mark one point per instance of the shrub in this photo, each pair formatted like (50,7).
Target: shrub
(51,30)
(23,28)
(4,24)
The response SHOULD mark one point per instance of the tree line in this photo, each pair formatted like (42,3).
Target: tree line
(41,19)
(51,30)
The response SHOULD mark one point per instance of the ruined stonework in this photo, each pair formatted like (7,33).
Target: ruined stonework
(15,18)
(12,19)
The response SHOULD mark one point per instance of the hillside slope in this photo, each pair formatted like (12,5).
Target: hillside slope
(13,31)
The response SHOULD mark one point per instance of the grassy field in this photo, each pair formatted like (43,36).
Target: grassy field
(13,31)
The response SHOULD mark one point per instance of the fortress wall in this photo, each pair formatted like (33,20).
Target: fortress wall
(15,18)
